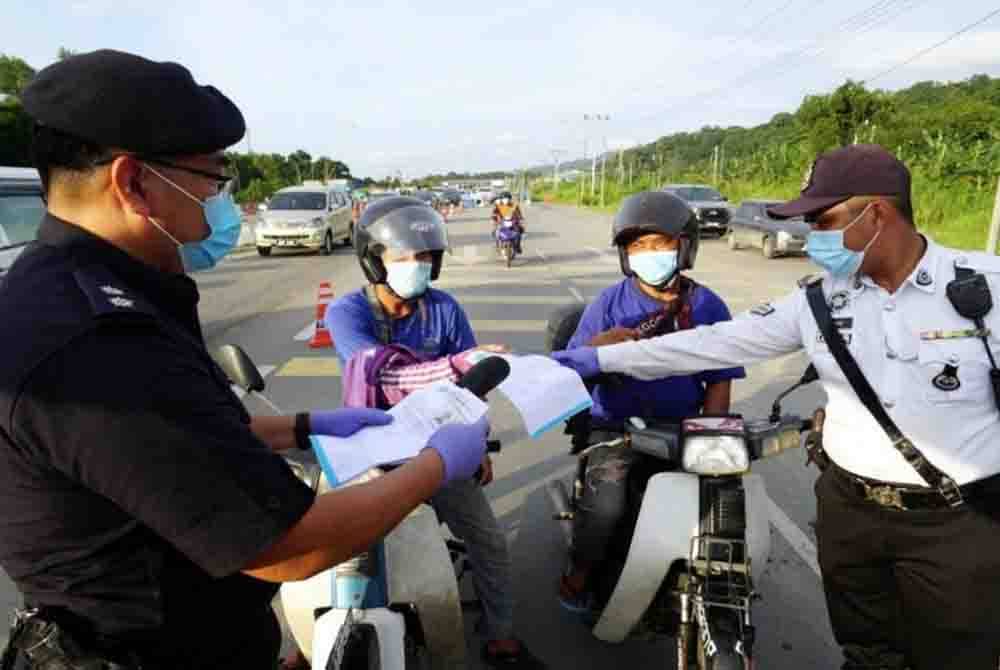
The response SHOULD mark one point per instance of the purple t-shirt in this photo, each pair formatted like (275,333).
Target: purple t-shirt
(437,327)
(674,397)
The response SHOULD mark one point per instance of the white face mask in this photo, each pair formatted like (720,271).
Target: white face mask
(409,279)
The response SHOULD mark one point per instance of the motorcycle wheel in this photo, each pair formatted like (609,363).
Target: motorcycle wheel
(361,651)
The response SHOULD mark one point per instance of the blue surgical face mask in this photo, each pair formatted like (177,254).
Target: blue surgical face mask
(408,279)
(224,225)
(654,267)
(826,248)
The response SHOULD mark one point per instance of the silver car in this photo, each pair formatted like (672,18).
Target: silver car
(304,217)
(21,212)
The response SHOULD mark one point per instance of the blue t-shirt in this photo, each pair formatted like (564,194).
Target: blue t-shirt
(437,327)
(674,397)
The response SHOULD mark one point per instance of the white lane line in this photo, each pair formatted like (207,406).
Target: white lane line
(603,256)
(264,370)
(576,294)
(802,545)
(306,333)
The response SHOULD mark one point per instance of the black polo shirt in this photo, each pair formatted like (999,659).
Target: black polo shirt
(132,491)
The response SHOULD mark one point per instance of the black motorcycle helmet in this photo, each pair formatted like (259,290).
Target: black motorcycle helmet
(656,212)
(398,223)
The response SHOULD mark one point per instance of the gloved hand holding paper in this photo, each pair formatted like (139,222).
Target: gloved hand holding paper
(415,419)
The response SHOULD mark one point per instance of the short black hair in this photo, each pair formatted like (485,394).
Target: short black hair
(53,151)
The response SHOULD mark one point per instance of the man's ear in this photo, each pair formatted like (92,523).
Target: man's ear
(126,184)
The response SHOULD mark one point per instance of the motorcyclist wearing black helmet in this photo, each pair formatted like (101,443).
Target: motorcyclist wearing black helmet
(657,239)
(398,335)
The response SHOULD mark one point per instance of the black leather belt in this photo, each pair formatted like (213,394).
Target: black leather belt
(904,497)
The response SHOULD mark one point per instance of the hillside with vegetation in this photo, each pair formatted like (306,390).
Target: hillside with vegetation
(947,133)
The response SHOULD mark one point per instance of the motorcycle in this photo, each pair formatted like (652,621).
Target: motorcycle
(688,574)
(508,235)
(382,609)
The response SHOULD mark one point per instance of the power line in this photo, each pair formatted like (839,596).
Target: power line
(924,52)
(861,23)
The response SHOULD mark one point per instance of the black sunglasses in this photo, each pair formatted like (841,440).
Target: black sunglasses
(221,180)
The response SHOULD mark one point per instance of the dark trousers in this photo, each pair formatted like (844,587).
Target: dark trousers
(909,589)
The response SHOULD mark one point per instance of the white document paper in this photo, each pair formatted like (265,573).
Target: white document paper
(415,419)
(544,392)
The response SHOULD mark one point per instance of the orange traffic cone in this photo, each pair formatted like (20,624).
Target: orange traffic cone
(321,338)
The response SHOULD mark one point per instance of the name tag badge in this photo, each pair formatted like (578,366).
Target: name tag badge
(929,335)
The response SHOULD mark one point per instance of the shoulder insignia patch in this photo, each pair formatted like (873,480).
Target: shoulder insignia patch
(839,300)
(107,294)
(979,262)
(763,309)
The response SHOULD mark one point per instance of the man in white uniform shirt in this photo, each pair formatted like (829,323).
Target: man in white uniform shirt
(910,560)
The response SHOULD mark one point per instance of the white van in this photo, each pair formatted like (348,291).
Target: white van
(304,217)
(21,212)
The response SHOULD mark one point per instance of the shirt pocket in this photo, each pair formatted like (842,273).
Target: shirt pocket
(968,357)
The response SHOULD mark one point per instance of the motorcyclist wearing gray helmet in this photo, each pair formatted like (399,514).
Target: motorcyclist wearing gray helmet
(398,335)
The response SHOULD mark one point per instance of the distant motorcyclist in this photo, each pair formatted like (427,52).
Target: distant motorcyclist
(657,239)
(506,208)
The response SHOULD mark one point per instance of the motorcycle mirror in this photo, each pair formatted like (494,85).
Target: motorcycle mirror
(239,368)
(808,377)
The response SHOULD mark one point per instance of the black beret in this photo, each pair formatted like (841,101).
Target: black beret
(121,100)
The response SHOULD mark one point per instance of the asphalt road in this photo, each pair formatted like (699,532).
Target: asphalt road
(267,306)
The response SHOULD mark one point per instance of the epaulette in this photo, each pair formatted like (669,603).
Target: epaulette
(810,279)
(107,294)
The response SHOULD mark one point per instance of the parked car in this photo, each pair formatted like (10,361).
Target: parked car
(752,226)
(21,212)
(710,207)
(304,217)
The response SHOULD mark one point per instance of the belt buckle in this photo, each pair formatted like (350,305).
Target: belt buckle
(884,496)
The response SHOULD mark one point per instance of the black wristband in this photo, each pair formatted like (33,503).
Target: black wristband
(302,431)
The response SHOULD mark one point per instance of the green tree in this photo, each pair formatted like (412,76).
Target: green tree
(14,75)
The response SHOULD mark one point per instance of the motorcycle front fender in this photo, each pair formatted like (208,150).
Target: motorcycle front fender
(390,627)
(667,521)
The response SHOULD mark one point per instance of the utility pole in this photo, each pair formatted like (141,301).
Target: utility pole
(556,153)
(715,165)
(991,244)
(593,163)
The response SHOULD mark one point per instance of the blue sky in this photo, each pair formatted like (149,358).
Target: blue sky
(432,86)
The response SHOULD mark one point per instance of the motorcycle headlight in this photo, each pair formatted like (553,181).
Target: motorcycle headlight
(697,212)
(715,446)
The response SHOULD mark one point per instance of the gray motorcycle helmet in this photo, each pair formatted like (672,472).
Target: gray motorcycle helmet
(656,212)
(398,223)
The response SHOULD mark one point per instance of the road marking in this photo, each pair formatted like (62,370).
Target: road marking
(800,542)
(471,282)
(504,325)
(514,299)
(264,370)
(576,294)
(542,256)
(606,258)
(310,366)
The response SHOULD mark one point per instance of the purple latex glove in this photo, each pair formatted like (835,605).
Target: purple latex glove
(583,360)
(461,447)
(346,421)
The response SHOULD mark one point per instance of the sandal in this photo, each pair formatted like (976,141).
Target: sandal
(522,659)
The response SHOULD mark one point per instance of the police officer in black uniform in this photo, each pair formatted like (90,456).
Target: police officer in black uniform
(144,515)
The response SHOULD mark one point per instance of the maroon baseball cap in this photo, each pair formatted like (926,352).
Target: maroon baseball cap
(841,174)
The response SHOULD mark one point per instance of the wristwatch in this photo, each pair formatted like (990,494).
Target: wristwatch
(302,431)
